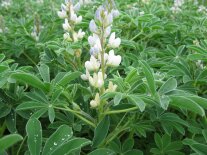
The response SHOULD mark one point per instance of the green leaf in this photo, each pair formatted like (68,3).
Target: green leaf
(44,72)
(149,76)
(9,140)
(102,151)
(31,105)
(30,80)
(2,56)
(34,134)
(204,133)
(201,149)
(128,144)
(168,86)
(68,78)
(101,131)
(158,141)
(118,97)
(197,49)
(136,100)
(71,146)
(51,113)
(133,152)
(164,102)
(57,139)
(185,103)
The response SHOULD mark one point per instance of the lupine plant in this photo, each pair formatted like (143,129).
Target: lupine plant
(99,77)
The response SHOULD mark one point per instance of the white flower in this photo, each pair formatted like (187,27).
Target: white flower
(201,8)
(95,44)
(94,103)
(62,14)
(66,25)
(81,34)
(113,60)
(108,19)
(85,76)
(95,50)
(146,1)
(85,2)
(77,7)
(141,13)
(74,18)
(93,64)
(114,43)
(104,16)
(115,13)
(178,2)
(92,26)
(35,35)
(111,87)
(107,31)
(175,9)
(92,40)
(97,80)
(64,7)
(66,36)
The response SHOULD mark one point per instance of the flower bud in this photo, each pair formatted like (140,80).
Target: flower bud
(67,37)
(111,87)
(94,103)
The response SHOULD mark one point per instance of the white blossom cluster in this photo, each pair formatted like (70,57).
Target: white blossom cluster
(6,3)
(69,14)
(35,33)
(102,44)
(146,1)
(202,9)
(176,8)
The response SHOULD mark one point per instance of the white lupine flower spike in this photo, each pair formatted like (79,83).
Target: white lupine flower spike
(101,59)
(69,13)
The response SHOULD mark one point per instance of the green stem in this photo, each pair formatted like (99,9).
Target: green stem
(3,129)
(21,145)
(116,133)
(136,36)
(77,114)
(28,57)
(120,111)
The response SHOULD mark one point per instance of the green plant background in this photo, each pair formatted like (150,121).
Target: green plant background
(159,106)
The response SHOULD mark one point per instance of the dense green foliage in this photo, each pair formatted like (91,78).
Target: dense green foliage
(160,103)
